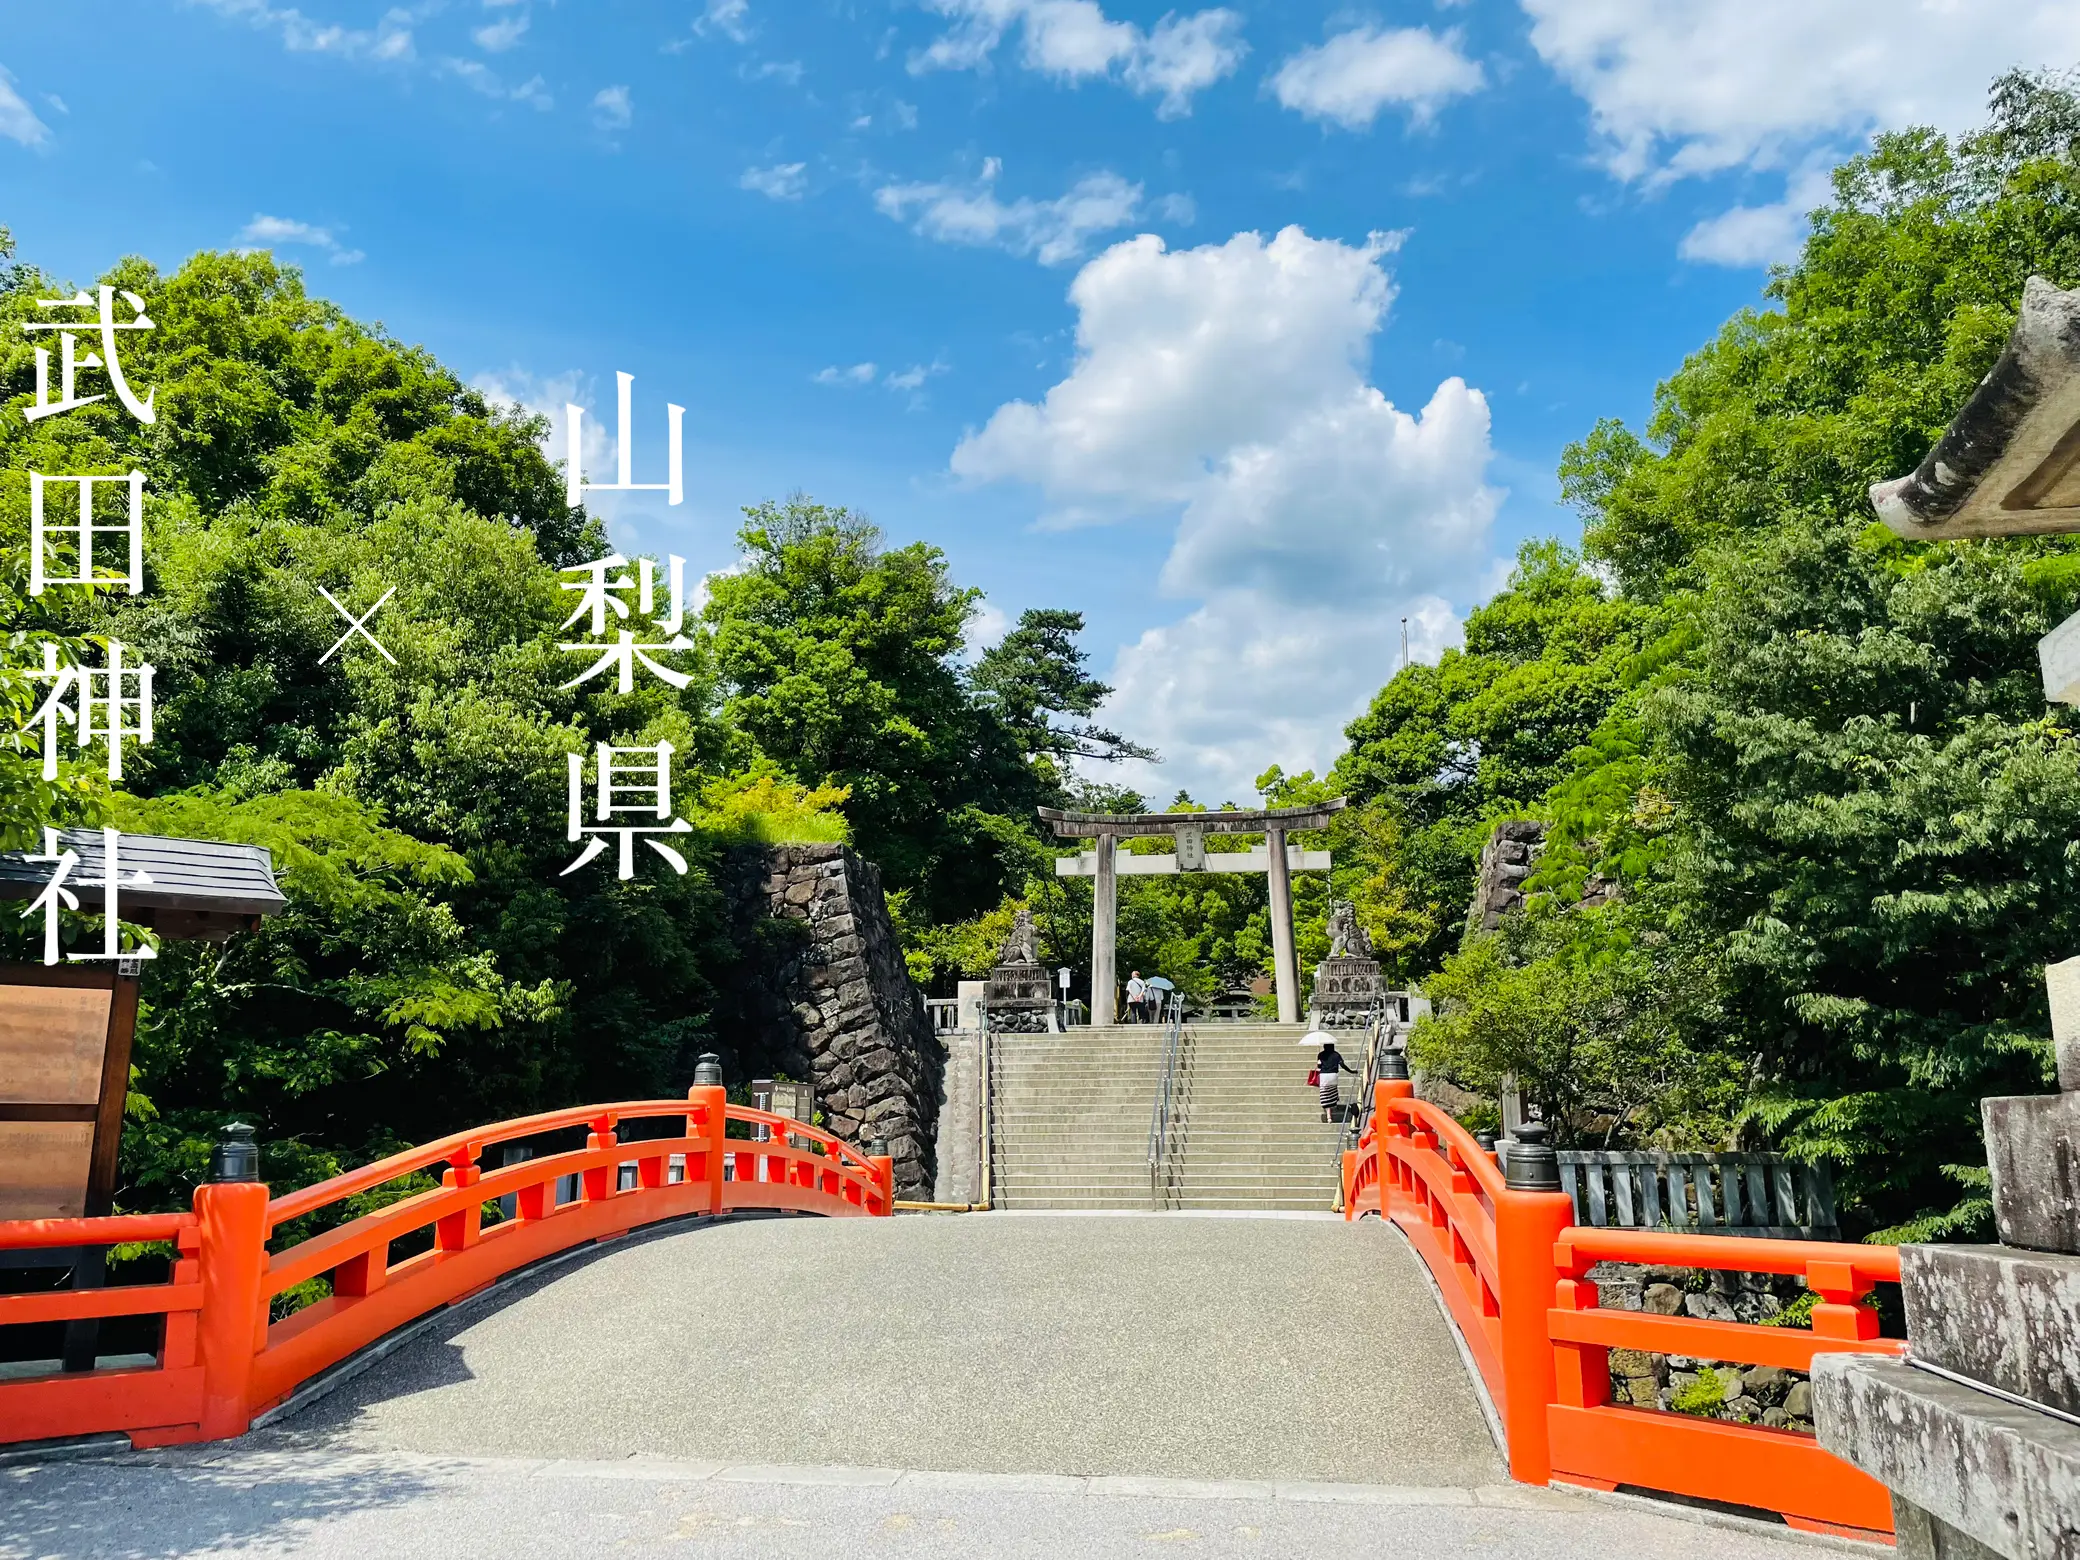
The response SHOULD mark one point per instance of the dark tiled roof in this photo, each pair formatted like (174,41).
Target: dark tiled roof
(191,875)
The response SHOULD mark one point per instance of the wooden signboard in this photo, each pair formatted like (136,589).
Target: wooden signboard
(65,1038)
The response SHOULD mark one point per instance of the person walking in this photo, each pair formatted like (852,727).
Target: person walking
(1329,1067)
(1137,994)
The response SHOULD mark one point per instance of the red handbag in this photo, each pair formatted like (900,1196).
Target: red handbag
(1314,1077)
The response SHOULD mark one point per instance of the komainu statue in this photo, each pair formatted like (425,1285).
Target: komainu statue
(1347,939)
(1022,946)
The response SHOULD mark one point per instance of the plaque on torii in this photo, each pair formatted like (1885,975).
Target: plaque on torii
(1275,858)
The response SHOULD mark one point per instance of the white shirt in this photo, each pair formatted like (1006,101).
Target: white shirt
(1137,988)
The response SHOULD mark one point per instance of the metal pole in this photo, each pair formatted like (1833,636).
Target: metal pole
(983,1199)
(1285,961)
(1104,932)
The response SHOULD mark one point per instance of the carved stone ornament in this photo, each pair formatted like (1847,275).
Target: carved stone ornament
(2009,463)
(1347,939)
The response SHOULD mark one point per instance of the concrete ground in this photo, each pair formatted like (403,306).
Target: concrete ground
(1213,1348)
(215,1501)
(1055,1384)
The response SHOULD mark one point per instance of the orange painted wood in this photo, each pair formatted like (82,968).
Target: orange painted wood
(1827,1265)
(222,1362)
(16,1234)
(1708,1459)
(64,1305)
(1486,1357)
(91,1403)
(1789,1347)
(1544,1356)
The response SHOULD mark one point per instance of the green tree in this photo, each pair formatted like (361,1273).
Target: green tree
(840,660)
(1036,673)
(1822,774)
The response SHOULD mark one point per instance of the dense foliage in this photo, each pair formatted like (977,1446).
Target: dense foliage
(1815,759)
(436,966)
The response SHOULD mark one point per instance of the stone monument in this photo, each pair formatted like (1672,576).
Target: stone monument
(1018,998)
(1977,1430)
(1347,984)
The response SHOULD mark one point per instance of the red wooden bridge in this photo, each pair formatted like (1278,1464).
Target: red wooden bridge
(221,1360)
(1510,1264)
(1512,1268)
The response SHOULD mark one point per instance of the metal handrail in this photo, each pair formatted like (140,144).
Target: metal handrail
(989,1147)
(1159,1122)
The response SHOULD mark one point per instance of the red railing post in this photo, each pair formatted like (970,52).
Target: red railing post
(458,1231)
(1840,1313)
(232,1231)
(602,1181)
(1385,1126)
(1527,1226)
(885,1177)
(711,1104)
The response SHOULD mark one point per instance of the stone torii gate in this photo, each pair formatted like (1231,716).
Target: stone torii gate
(1275,858)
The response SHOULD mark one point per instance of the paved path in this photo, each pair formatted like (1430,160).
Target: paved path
(1066,1385)
(1183,1347)
(402,1506)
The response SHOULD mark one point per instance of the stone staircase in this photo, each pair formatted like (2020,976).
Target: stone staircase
(1071,1112)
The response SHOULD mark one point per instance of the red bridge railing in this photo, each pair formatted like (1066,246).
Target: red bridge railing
(221,1361)
(1512,1267)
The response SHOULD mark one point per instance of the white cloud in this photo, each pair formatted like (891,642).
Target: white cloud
(1355,74)
(788,71)
(782,181)
(482,78)
(611,108)
(1680,87)
(1225,384)
(547,396)
(728,17)
(499,36)
(18,121)
(1184,55)
(390,40)
(1760,235)
(989,624)
(910,380)
(1244,682)
(1073,40)
(266,232)
(1055,230)
(284,230)
(913,377)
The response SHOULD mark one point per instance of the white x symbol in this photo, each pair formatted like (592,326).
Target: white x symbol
(354,625)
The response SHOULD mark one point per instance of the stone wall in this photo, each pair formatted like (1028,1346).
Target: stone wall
(822,994)
(1744,1394)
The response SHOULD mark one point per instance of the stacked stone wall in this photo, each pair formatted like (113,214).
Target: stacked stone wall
(1744,1394)
(823,994)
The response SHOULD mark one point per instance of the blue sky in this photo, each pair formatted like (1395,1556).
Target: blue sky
(1246,329)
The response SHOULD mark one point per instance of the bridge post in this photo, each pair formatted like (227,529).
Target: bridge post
(712,1105)
(1528,1224)
(1385,1126)
(233,1232)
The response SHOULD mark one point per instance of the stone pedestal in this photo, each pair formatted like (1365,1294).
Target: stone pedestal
(1345,989)
(1019,1000)
(1975,1432)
